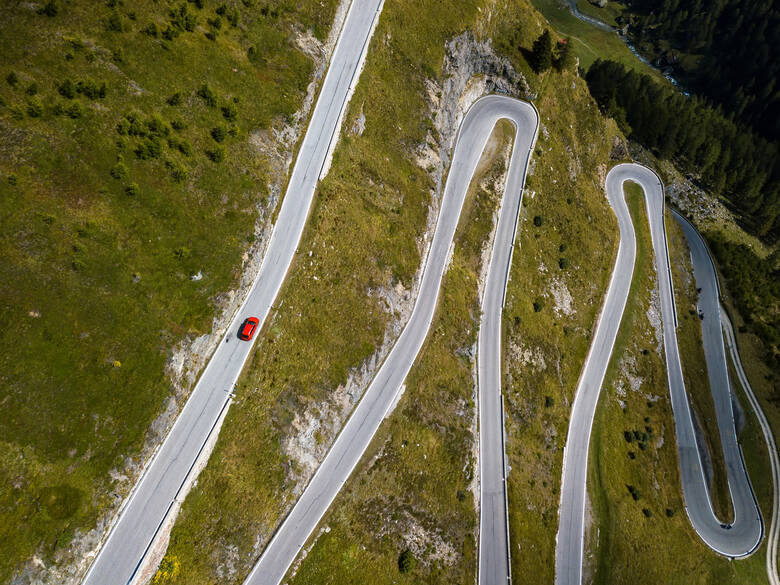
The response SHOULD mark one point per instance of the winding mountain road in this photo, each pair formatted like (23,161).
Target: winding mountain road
(744,534)
(383,391)
(158,491)
(715,323)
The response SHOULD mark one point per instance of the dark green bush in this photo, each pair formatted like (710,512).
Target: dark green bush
(182,19)
(119,171)
(114,22)
(149,148)
(175,99)
(91,89)
(178,172)
(35,107)
(219,133)
(50,9)
(74,110)
(216,154)
(563,263)
(230,112)
(406,561)
(538,220)
(185,148)
(67,89)
(132,189)
(208,96)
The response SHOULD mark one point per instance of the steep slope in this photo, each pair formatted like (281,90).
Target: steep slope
(139,168)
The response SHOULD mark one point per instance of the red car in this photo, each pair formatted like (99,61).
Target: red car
(248,328)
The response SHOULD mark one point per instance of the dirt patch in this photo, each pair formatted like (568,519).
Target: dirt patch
(654,316)
(564,302)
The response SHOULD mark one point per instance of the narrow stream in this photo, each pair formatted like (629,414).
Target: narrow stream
(604,26)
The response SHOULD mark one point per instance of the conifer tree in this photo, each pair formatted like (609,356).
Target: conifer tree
(541,56)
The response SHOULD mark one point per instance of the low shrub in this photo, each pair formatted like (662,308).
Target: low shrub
(216,154)
(219,133)
(35,107)
(119,171)
(406,561)
(208,96)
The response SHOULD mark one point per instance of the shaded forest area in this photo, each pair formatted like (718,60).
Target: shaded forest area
(755,285)
(729,157)
(724,49)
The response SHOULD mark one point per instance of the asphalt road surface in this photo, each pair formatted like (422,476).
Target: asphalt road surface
(745,533)
(774,458)
(569,541)
(384,389)
(154,494)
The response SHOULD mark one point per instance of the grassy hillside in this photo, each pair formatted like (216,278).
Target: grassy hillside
(590,43)
(413,495)
(360,252)
(285,387)
(126,168)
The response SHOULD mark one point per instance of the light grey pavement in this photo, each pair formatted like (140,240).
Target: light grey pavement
(360,428)
(569,541)
(494,566)
(747,527)
(745,533)
(153,496)
(769,437)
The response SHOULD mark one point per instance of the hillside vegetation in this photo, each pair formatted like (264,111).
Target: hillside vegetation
(129,190)
(731,159)
(406,515)
(725,49)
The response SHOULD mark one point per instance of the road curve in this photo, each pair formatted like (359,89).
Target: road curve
(360,428)
(156,492)
(743,536)
(769,437)
(715,317)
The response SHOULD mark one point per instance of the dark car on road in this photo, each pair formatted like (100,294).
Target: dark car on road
(248,328)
